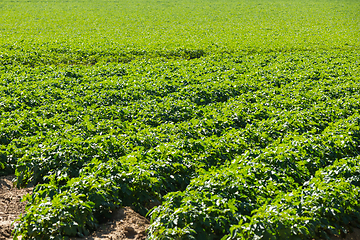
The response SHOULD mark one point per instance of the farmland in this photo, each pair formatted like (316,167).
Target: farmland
(216,119)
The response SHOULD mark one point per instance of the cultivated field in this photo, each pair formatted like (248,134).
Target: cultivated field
(217,119)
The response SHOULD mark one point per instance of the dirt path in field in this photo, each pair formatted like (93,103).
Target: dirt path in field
(10,205)
(125,223)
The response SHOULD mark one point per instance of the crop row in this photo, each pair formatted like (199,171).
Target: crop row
(218,141)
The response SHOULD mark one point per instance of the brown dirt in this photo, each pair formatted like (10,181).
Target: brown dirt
(125,223)
(10,205)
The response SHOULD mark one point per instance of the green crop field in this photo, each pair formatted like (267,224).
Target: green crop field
(236,119)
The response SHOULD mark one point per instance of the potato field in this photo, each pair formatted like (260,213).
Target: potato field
(215,119)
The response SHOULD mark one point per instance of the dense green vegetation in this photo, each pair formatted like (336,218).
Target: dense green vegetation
(236,119)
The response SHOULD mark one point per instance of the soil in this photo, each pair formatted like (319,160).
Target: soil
(125,224)
(10,205)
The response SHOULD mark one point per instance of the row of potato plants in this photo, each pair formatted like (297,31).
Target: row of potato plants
(226,144)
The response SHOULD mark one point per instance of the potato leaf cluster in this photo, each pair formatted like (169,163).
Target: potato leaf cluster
(222,119)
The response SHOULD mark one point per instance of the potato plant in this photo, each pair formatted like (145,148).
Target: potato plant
(237,120)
